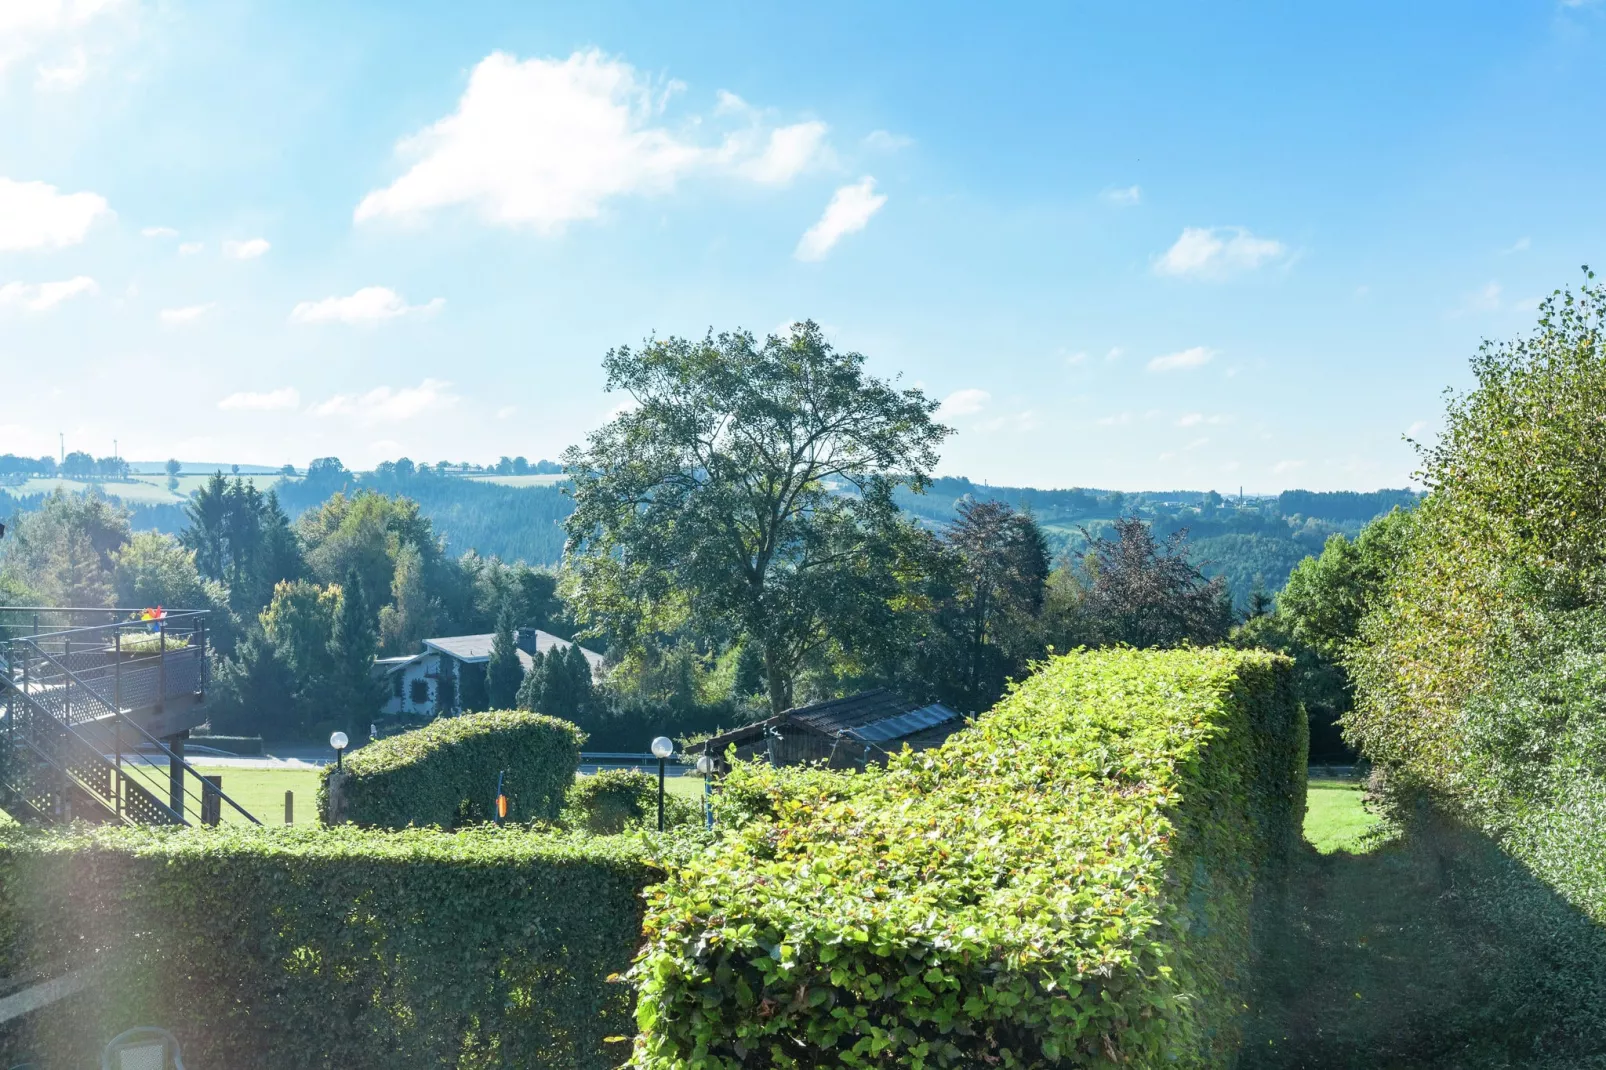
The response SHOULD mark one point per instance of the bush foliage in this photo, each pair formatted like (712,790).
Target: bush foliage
(616,799)
(330,948)
(1069,881)
(424,777)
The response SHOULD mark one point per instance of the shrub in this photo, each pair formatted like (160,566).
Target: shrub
(1067,881)
(330,948)
(616,799)
(424,777)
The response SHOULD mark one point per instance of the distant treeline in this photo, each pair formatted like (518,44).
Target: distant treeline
(1342,505)
(510,523)
(1255,541)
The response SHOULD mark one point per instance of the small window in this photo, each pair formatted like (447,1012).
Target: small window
(396,684)
(420,692)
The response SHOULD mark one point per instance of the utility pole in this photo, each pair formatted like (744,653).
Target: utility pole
(62,435)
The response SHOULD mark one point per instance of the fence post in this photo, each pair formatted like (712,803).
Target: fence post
(66,661)
(289,808)
(211,799)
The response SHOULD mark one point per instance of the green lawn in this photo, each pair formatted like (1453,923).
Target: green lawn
(1334,817)
(545,479)
(261,791)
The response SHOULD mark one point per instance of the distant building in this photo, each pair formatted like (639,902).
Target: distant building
(411,680)
(844,733)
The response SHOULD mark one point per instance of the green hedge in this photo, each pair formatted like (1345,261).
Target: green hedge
(446,772)
(613,800)
(331,948)
(1067,882)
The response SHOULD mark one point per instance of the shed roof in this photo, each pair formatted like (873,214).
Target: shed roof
(878,717)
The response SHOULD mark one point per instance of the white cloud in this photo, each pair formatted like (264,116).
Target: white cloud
(284,398)
(43,296)
(1073,359)
(1194,419)
(965,402)
(545,142)
(1485,299)
(35,215)
(507,412)
(1115,354)
(369,305)
(158,232)
(32,26)
(66,75)
(1194,357)
(1216,253)
(187,314)
(1519,246)
(1197,443)
(790,151)
(1284,467)
(249,249)
(886,141)
(384,405)
(1025,420)
(190,248)
(1125,197)
(849,212)
(1416,428)
(1118,419)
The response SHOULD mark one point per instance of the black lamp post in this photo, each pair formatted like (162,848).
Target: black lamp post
(662,748)
(339,742)
(705,766)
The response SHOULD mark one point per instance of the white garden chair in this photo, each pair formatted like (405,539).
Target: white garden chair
(142,1048)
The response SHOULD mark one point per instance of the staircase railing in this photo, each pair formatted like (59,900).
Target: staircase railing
(71,722)
(128,662)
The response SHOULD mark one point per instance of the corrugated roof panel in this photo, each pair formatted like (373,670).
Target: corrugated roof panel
(904,724)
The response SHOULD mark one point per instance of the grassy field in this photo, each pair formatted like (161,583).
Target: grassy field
(1334,817)
(261,791)
(545,480)
(142,490)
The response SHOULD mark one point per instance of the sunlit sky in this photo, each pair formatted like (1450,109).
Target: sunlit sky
(1142,246)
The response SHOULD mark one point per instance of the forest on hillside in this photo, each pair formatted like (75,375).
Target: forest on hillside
(1249,542)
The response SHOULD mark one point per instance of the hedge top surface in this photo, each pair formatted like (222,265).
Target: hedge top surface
(1024,872)
(487,845)
(420,744)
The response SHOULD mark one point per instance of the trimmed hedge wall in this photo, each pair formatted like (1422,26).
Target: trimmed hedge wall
(425,777)
(330,948)
(1067,882)
(613,800)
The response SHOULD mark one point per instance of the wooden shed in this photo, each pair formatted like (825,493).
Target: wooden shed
(844,733)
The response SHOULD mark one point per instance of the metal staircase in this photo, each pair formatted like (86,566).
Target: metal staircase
(84,694)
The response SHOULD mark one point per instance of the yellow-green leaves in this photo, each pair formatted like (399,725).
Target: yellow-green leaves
(1067,881)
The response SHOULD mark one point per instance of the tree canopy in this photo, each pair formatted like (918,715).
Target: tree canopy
(748,487)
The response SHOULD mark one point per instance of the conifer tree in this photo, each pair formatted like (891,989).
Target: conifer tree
(357,695)
(504,673)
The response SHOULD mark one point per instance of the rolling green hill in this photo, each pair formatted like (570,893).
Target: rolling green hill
(520,517)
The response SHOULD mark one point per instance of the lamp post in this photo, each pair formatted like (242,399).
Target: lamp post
(705,766)
(662,748)
(338,741)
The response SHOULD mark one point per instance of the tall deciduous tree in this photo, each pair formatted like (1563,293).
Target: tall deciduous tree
(1142,591)
(749,489)
(1003,566)
(64,552)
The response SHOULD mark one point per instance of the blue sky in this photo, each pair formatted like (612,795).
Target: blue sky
(1156,246)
